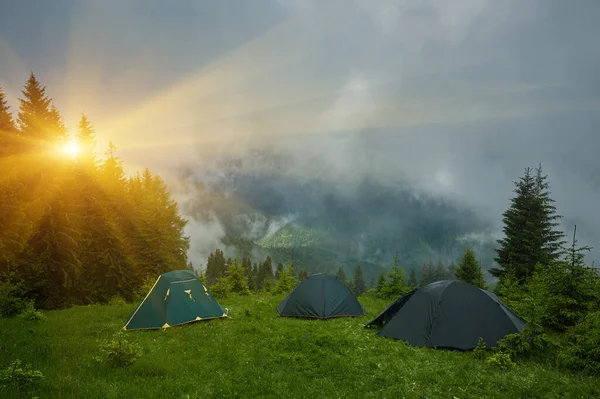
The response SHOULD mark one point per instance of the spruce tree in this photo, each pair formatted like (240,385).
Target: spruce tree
(86,138)
(278,270)
(412,279)
(341,275)
(8,129)
(530,235)
(469,270)
(380,285)
(303,275)
(428,274)
(35,118)
(359,286)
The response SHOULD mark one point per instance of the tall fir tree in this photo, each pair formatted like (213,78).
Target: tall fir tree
(530,235)
(341,275)
(469,270)
(37,118)
(359,285)
(412,279)
(8,129)
(265,272)
(278,270)
(303,275)
(86,138)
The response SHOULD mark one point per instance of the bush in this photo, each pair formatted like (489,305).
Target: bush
(30,313)
(11,303)
(17,376)
(117,300)
(287,281)
(583,350)
(501,360)
(119,352)
(222,289)
(480,351)
(529,342)
(145,288)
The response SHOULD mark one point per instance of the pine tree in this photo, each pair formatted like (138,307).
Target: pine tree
(412,279)
(428,274)
(8,129)
(265,272)
(86,138)
(341,275)
(278,270)
(236,276)
(552,240)
(380,285)
(35,118)
(359,286)
(303,275)
(287,281)
(469,270)
(529,229)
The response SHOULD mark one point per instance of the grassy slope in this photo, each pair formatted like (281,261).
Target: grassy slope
(256,354)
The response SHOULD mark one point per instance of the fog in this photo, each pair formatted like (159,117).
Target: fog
(448,100)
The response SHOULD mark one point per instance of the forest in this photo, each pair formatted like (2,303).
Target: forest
(76,230)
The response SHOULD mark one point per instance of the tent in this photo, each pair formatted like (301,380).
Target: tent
(177,297)
(448,314)
(320,296)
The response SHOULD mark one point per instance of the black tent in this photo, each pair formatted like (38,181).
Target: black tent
(448,314)
(320,296)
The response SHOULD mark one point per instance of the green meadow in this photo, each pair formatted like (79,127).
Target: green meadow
(255,354)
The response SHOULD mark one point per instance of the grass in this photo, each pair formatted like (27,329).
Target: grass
(255,354)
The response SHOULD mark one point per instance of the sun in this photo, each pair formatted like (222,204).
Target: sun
(71,149)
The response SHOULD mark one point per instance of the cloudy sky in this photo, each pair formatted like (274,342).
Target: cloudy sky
(456,96)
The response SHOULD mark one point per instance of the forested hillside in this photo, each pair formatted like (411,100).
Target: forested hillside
(267,207)
(74,228)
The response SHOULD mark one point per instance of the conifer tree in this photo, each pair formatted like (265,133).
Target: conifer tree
(303,275)
(237,279)
(359,286)
(530,235)
(278,270)
(380,285)
(265,272)
(8,129)
(287,281)
(428,274)
(341,275)
(35,118)
(86,138)
(469,270)
(412,279)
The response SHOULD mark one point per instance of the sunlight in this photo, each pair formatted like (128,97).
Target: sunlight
(71,149)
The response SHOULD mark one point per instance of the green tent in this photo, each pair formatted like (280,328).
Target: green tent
(177,297)
(320,296)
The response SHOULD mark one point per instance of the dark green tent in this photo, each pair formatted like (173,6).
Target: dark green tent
(320,296)
(177,297)
(449,314)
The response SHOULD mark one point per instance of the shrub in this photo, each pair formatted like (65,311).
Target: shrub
(222,289)
(119,352)
(480,351)
(583,350)
(117,300)
(30,313)
(287,281)
(501,360)
(145,288)
(17,376)
(11,303)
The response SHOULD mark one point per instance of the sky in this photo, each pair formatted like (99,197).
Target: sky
(459,97)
